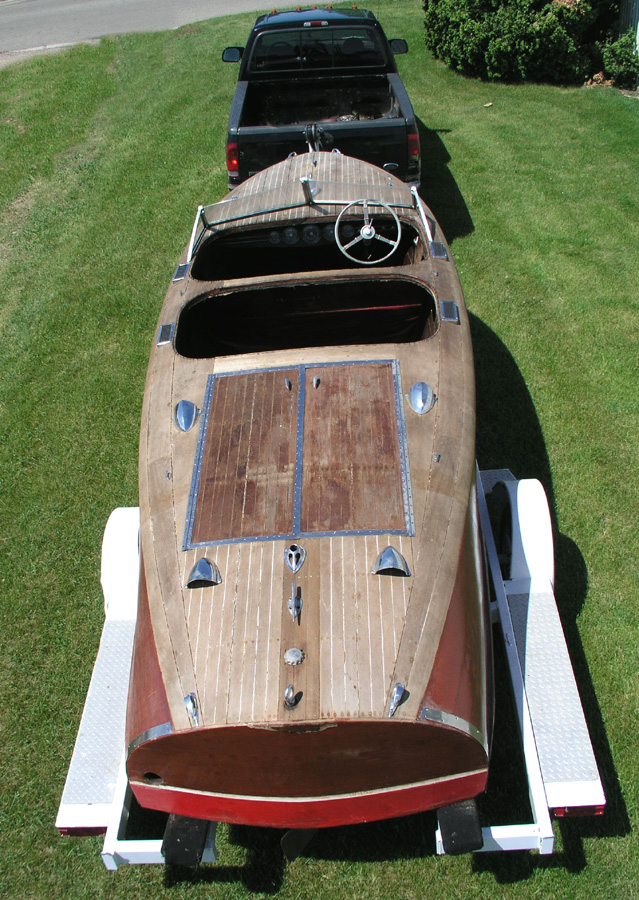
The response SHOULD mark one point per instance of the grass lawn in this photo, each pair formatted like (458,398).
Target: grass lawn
(105,153)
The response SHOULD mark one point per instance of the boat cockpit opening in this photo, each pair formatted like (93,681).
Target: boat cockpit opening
(304,247)
(363,311)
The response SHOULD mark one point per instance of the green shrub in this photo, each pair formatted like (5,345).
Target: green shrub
(521,40)
(620,60)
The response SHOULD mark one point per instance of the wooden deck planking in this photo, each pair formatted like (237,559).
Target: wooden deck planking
(353,570)
(349,642)
(399,590)
(212,637)
(445,507)
(384,648)
(420,363)
(243,657)
(311,586)
(195,601)
(331,636)
(262,670)
(350,443)
(371,686)
(168,616)
(221,630)
(303,634)
(246,480)
(457,439)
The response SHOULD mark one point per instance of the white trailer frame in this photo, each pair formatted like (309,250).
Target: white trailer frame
(560,764)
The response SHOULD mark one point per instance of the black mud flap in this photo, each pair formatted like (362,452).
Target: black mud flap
(460,828)
(184,840)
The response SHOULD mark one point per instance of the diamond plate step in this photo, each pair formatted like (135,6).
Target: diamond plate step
(92,777)
(568,765)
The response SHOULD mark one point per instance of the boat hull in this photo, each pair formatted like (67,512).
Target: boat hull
(306,681)
(313,812)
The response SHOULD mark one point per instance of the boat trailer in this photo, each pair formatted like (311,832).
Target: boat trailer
(563,778)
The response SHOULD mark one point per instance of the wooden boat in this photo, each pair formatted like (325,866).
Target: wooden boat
(313,639)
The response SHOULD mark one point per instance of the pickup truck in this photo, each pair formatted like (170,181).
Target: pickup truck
(320,79)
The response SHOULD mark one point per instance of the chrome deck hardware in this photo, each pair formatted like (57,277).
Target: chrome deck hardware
(204,574)
(422,398)
(295,603)
(294,656)
(295,556)
(390,562)
(291,699)
(399,692)
(190,701)
(186,415)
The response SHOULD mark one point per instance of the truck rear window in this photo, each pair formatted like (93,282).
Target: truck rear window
(316,48)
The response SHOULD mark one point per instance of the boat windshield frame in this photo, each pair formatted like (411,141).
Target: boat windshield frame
(315,194)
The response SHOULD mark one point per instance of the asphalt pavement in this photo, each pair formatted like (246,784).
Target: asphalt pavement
(36,26)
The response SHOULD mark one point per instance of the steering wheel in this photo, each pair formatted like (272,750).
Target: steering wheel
(367,233)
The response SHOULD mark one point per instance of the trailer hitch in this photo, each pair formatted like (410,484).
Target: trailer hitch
(317,138)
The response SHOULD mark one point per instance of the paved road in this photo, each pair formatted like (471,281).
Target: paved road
(26,25)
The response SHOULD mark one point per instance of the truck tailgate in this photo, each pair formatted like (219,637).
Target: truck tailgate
(380,141)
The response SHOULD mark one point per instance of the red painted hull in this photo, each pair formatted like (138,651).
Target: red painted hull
(312,812)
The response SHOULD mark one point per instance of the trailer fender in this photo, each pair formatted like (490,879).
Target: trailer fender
(527,535)
(120,567)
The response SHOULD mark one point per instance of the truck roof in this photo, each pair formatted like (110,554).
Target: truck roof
(297,16)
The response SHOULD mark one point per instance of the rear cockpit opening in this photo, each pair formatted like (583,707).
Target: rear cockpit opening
(363,311)
(304,247)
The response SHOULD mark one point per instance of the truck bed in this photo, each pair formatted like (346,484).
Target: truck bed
(343,100)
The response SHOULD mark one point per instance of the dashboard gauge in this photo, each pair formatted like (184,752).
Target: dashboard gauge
(329,232)
(291,235)
(311,234)
(348,232)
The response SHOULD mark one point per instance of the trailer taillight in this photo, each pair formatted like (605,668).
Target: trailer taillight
(565,812)
(232,159)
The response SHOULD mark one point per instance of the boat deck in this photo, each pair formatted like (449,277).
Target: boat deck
(298,453)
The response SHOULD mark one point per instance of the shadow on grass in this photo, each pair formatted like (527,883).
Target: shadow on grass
(509,436)
(439,188)
(263,871)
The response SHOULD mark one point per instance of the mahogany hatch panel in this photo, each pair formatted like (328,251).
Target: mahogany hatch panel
(352,472)
(304,451)
(245,466)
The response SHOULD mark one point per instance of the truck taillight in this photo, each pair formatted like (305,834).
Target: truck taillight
(413,146)
(232,159)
